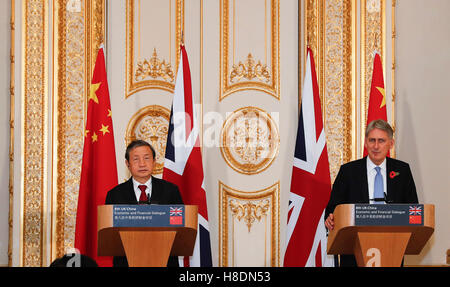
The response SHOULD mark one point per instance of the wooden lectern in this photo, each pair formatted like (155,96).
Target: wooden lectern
(381,245)
(146,246)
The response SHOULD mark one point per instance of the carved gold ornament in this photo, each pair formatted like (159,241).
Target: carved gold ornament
(250,140)
(151,124)
(249,211)
(259,210)
(154,68)
(249,70)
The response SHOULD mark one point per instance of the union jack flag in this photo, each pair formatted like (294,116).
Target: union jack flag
(310,184)
(183,161)
(176,211)
(415,210)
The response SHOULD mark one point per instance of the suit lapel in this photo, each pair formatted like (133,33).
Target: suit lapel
(389,182)
(130,195)
(156,191)
(364,182)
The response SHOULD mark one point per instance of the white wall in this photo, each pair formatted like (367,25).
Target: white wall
(5,12)
(423,103)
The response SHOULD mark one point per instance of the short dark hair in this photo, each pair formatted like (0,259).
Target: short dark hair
(137,143)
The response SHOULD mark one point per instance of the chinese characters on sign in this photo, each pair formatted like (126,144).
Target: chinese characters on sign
(388,214)
(148,215)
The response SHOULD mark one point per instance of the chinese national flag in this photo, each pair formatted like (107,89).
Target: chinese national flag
(377,98)
(98,170)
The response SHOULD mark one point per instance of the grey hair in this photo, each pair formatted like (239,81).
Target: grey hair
(382,125)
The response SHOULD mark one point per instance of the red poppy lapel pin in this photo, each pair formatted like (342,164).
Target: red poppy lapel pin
(393,174)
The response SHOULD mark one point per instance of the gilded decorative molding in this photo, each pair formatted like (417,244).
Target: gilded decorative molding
(94,20)
(263,76)
(250,140)
(151,124)
(372,40)
(252,206)
(34,113)
(337,71)
(394,36)
(314,38)
(59,13)
(142,74)
(79,35)
(12,97)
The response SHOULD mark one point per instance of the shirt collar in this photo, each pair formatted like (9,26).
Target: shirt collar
(148,183)
(371,165)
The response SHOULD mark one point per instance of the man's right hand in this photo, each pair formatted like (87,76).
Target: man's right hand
(329,222)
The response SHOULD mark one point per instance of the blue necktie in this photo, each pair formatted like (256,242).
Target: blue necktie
(378,186)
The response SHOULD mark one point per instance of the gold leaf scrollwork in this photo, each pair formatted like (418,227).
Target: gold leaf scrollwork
(249,70)
(154,68)
(249,211)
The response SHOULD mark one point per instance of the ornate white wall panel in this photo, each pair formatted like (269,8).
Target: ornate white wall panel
(246,60)
(250,46)
(249,227)
(154,31)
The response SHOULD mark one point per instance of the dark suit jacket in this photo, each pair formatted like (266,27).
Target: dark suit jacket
(163,192)
(350,186)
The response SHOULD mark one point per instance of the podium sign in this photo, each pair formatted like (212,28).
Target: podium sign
(380,234)
(147,234)
(389,214)
(148,215)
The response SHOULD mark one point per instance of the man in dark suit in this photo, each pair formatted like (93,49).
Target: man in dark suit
(356,180)
(142,187)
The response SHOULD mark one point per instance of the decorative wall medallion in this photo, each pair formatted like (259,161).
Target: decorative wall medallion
(250,140)
(151,124)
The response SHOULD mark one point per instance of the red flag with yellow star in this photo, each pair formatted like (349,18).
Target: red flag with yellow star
(99,169)
(377,98)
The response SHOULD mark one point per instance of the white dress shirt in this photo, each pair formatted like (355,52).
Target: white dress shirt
(137,190)
(371,173)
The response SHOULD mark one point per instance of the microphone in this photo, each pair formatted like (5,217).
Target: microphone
(144,201)
(148,202)
(379,199)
